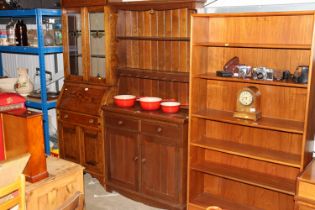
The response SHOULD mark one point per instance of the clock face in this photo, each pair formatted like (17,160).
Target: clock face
(246,98)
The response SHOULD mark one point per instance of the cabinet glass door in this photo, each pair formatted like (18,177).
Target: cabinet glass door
(97,45)
(75,43)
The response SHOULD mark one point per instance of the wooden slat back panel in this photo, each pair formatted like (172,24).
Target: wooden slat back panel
(155,52)
(272,29)
(149,54)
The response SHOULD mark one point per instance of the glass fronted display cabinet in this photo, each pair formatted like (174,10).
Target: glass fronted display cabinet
(86,37)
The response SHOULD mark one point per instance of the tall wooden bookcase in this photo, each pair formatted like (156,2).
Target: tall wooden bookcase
(242,164)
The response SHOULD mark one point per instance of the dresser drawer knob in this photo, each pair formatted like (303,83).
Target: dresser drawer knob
(143,160)
(91,121)
(66,116)
(135,158)
(86,89)
(159,130)
(120,122)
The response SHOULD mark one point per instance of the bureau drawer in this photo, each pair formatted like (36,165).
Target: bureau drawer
(160,129)
(78,119)
(119,121)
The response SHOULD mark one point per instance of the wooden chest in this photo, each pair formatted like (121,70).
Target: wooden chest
(65,179)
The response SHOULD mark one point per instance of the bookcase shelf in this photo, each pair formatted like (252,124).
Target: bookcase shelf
(265,122)
(203,200)
(212,76)
(255,45)
(249,151)
(246,176)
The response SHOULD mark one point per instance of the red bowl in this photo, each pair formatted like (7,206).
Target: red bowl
(150,103)
(170,106)
(124,100)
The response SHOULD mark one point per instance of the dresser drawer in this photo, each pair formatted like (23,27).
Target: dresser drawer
(78,119)
(160,129)
(119,121)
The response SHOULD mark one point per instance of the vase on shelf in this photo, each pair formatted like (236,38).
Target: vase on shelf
(23,86)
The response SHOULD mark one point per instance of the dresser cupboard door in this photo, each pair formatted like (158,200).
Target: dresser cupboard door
(69,142)
(122,158)
(160,173)
(93,150)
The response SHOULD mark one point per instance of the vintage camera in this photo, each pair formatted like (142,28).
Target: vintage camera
(243,71)
(262,73)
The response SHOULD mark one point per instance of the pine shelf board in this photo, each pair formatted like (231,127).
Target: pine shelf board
(174,76)
(212,76)
(249,151)
(265,122)
(253,45)
(246,176)
(204,200)
(153,38)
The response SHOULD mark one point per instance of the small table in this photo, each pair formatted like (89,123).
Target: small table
(64,180)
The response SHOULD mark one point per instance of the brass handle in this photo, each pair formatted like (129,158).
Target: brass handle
(91,121)
(66,116)
(135,158)
(120,122)
(144,160)
(159,129)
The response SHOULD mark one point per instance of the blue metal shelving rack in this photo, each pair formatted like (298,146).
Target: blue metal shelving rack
(41,50)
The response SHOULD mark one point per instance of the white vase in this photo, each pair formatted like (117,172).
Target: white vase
(23,85)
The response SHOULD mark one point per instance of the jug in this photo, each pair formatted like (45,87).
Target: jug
(23,86)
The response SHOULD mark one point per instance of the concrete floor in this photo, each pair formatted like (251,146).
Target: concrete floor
(96,198)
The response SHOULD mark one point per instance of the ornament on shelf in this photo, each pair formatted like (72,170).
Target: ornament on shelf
(23,86)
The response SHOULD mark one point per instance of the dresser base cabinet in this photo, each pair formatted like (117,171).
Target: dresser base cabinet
(146,156)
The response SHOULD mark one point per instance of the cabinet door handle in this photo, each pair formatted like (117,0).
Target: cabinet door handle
(143,160)
(135,158)
(66,116)
(91,121)
(159,130)
(120,122)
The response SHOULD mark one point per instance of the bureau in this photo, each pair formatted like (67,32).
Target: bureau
(79,126)
(146,155)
